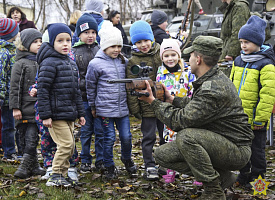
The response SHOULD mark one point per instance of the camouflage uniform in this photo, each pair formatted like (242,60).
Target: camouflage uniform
(213,131)
(235,16)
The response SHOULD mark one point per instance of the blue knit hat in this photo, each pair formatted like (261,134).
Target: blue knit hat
(8,28)
(55,29)
(253,30)
(141,30)
(86,22)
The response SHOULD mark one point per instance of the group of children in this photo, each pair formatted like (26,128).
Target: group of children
(72,84)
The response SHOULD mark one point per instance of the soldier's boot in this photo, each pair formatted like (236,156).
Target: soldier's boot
(36,168)
(212,191)
(24,169)
(130,166)
(227,179)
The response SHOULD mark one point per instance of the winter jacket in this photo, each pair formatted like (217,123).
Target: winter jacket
(178,84)
(123,34)
(22,77)
(214,106)
(153,60)
(255,83)
(7,59)
(159,34)
(58,92)
(109,100)
(99,19)
(84,53)
(235,16)
(24,24)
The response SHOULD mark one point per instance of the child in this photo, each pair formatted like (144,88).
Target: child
(8,33)
(177,78)
(85,50)
(22,77)
(48,146)
(159,24)
(59,98)
(253,74)
(148,52)
(109,101)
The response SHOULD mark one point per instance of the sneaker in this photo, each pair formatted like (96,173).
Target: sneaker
(48,173)
(85,168)
(130,166)
(110,173)
(151,174)
(99,166)
(72,174)
(71,181)
(57,180)
(201,12)
(12,157)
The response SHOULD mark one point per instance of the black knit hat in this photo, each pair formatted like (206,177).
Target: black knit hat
(28,36)
(86,22)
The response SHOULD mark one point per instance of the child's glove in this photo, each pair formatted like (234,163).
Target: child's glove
(137,115)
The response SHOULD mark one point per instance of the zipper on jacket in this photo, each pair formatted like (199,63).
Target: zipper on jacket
(243,78)
(73,94)
(118,88)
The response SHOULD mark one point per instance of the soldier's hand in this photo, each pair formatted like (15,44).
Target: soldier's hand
(228,58)
(33,92)
(258,127)
(149,90)
(47,123)
(94,113)
(168,97)
(17,114)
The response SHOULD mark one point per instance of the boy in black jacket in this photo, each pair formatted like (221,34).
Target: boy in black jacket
(59,98)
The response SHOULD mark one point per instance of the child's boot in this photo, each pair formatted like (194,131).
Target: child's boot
(36,168)
(110,173)
(24,169)
(130,166)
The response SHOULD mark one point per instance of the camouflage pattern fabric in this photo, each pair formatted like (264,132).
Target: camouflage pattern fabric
(235,16)
(213,130)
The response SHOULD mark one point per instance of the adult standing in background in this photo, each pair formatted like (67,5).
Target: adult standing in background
(114,17)
(73,19)
(236,14)
(19,16)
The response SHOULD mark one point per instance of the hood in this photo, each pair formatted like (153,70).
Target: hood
(98,17)
(22,54)
(79,43)
(6,44)
(155,48)
(100,54)
(154,27)
(45,51)
(268,52)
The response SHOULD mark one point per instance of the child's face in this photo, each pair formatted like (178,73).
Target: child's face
(62,43)
(144,45)
(170,58)
(35,46)
(163,26)
(248,47)
(113,51)
(88,36)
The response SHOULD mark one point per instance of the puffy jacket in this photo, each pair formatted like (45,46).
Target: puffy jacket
(235,16)
(215,106)
(255,83)
(58,92)
(159,34)
(7,59)
(84,53)
(22,77)
(109,100)
(153,60)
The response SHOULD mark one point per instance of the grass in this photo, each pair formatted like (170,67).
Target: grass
(124,188)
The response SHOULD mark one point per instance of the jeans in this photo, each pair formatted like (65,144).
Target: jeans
(91,126)
(125,136)
(8,131)
(28,133)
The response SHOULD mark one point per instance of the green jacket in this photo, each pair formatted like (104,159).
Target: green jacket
(255,83)
(214,106)
(153,60)
(235,16)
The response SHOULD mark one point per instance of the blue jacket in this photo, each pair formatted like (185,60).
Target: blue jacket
(58,90)
(109,100)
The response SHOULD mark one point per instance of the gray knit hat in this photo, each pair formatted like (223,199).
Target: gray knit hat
(95,5)
(28,36)
(158,17)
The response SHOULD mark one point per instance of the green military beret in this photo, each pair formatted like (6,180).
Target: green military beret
(206,45)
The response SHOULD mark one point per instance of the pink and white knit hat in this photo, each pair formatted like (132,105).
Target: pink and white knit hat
(169,44)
